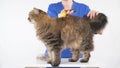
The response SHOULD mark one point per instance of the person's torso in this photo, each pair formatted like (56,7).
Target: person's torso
(80,9)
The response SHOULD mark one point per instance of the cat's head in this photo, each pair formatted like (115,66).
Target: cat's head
(99,22)
(35,15)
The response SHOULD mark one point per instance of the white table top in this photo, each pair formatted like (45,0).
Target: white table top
(64,63)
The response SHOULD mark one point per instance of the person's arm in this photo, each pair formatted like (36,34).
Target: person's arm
(51,11)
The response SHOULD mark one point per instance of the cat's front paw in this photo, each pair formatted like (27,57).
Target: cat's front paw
(56,63)
(72,60)
(49,62)
(84,60)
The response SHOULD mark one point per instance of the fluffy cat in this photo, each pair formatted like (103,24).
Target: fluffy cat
(66,32)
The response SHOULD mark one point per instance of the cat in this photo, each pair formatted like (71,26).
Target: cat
(67,32)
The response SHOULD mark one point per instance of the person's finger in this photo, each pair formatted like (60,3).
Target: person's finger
(93,14)
(68,12)
(71,11)
(97,13)
(88,14)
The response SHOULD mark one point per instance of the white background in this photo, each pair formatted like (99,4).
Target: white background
(19,45)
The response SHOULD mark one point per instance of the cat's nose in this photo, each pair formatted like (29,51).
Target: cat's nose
(29,19)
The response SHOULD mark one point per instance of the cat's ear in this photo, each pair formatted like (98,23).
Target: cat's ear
(36,11)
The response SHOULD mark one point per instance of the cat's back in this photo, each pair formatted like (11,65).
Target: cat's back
(74,27)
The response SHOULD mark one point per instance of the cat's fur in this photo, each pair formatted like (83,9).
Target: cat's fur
(67,32)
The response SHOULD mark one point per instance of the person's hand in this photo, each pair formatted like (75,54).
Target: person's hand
(92,14)
(70,11)
(63,13)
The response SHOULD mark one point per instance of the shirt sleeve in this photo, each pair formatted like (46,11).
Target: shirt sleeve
(51,11)
(87,10)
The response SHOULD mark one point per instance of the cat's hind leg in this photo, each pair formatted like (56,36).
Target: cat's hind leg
(75,55)
(86,56)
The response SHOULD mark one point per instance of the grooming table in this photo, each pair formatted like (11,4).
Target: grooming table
(64,64)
